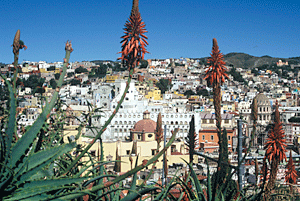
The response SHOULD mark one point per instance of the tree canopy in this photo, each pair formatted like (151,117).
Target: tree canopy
(80,69)
(164,85)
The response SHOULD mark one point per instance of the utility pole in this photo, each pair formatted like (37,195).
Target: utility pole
(241,167)
(164,157)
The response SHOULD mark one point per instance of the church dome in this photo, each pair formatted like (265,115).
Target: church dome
(145,125)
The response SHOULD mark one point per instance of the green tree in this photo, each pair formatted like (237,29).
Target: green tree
(34,81)
(144,64)
(164,85)
(80,69)
(191,140)
(237,75)
(202,92)
(56,75)
(75,82)
(188,93)
(53,83)
(70,74)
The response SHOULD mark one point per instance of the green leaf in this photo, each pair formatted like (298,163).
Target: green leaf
(53,182)
(23,144)
(135,195)
(196,182)
(11,125)
(133,183)
(209,190)
(38,190)
(42,158)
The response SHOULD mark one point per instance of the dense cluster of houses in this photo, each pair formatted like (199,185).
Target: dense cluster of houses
(175,105)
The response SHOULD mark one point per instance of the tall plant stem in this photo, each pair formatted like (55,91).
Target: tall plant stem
(104,126)
(20,147)
(16,61)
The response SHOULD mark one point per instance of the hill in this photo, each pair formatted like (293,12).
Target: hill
(242,60)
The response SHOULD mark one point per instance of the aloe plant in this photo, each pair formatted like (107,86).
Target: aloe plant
(21,167)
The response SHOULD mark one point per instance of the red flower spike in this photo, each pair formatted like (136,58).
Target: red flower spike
(134,41)
(216,71)
(291,173)
(275,144)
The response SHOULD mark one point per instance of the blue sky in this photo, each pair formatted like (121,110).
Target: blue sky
(178,28)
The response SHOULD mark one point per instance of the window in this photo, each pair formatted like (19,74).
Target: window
(173,148)
(229,138)
(212,137)
(127,152)
(211,121)
(204,121)
(226,121)
(153,151)
(203,137)
(149,135)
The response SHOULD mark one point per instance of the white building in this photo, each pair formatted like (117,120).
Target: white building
(174,114)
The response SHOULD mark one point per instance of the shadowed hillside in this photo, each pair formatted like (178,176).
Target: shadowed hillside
(242,60)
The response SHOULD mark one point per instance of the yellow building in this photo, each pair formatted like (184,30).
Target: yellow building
(229,106)
(111,78)
(141,143)
(154,94)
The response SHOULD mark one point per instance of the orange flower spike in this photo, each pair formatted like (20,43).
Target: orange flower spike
(133,50)
(275,145)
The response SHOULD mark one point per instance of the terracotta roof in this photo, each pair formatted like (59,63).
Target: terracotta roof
(176,153)
(146,125)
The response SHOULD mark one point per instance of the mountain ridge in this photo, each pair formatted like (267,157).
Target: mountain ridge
(243,60)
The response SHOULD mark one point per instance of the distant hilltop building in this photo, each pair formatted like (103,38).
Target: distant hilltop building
(281,63)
